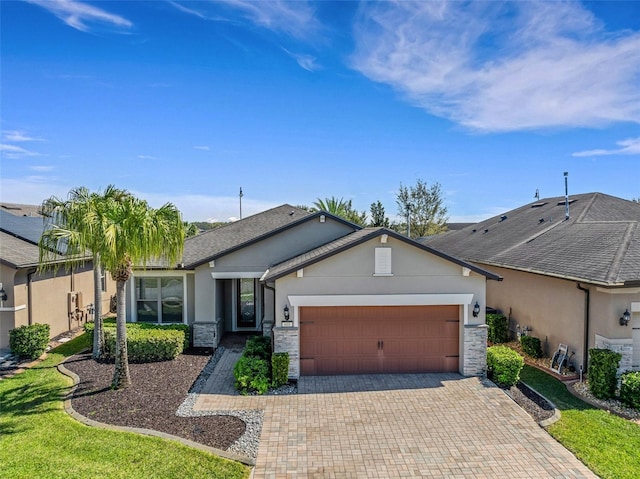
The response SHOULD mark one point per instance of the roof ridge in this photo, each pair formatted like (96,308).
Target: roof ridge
(618,260)
(586,209)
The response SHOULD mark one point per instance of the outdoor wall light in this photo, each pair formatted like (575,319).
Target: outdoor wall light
(3,294)
(286,313)
(625,318)
(476,310)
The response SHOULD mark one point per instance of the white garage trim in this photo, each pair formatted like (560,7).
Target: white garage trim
(297,301)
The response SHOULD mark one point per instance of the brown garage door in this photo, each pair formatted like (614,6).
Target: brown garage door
(378,339)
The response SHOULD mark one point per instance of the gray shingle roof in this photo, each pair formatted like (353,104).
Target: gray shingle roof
(599,243)
(217,242)
(350,240)
(18,253)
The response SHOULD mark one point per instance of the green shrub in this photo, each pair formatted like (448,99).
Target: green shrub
(280,369)
(29,341)
(531,346)
(251,374)
(110,323)
(603,365)
(630,389)
(498,328)
(259,346)
(504,364)
(146,345)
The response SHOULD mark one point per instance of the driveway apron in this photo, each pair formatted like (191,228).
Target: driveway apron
(401,425)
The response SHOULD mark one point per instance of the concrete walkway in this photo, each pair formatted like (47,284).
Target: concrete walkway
(389,426)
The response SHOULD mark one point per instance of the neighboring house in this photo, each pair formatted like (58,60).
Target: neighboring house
(59,298)
(338,298)
(567,280)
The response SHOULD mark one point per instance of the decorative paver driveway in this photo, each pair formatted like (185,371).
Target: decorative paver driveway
(388,426)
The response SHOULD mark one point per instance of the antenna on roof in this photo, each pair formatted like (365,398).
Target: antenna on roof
(241,195)
(566,195)
(537,195)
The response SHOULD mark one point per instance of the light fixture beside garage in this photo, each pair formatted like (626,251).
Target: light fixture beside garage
(625,318)
(287,321)
(476,310)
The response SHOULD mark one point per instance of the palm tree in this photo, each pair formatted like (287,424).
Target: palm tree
(131,233)
(77,223)
(340,207)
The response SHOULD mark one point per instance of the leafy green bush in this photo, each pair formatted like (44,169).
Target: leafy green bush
(259,346)
(146,345)
(110,323)
(531,346)
(498,328)
(504,364)
(251,374)
(29,341)
(603,366)
(280,369)
(630,389)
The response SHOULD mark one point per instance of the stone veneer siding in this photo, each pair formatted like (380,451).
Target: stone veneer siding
(206,335)
(475,350)
(622,346)
(285,340)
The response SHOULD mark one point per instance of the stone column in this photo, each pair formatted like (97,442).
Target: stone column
(285,340)
(475,350)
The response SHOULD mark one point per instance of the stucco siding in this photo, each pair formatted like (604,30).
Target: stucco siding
(555,309)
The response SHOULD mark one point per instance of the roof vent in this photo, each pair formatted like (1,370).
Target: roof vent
(291,213)
(541,220)
(538,205)
(474,230)
(487,230)
(502,218)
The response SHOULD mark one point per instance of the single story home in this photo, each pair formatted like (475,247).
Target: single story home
(571,271)
(60,299)
(339,298)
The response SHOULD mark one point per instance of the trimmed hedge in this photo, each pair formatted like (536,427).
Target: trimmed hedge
(145,345)
(630,389)
(498,328)
(29,341)
(258,346)
(603,367)
(531,346)
(280,369)
(251,374)
(504,364)
(110,323)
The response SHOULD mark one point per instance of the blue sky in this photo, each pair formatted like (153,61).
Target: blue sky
(189,101)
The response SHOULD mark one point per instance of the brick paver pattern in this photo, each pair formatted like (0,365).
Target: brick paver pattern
(394,426)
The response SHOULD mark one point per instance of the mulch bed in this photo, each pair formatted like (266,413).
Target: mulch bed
(151,401)
(537,407)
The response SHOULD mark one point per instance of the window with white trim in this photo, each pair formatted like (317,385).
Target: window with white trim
(159,300)
(382,262)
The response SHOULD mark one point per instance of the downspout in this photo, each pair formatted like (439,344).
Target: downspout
(585,358)
(29,301)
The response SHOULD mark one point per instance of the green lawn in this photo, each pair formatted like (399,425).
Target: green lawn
(607,444)
(39,440)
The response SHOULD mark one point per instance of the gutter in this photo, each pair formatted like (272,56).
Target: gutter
(585,354)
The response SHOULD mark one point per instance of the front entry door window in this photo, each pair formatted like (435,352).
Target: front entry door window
(246,303)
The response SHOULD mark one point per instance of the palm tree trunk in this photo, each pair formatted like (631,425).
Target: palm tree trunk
(121,378)
(98,333)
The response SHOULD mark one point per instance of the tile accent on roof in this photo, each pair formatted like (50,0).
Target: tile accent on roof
(599,243)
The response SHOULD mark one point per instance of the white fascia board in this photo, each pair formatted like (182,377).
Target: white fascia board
(618,290)
(238,274)
(381,299)
(11,309)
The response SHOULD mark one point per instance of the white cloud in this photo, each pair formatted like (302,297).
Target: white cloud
(14,152)
(147,157)
(630,146)
(41,168)
(293,18)
(78,14)
(201,147)
(31,190)
(494,66)
(307,62)
(18,136)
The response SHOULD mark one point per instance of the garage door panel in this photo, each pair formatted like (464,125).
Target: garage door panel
(351,340)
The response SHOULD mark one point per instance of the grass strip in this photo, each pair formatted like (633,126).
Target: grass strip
(39,440)
(606,443)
